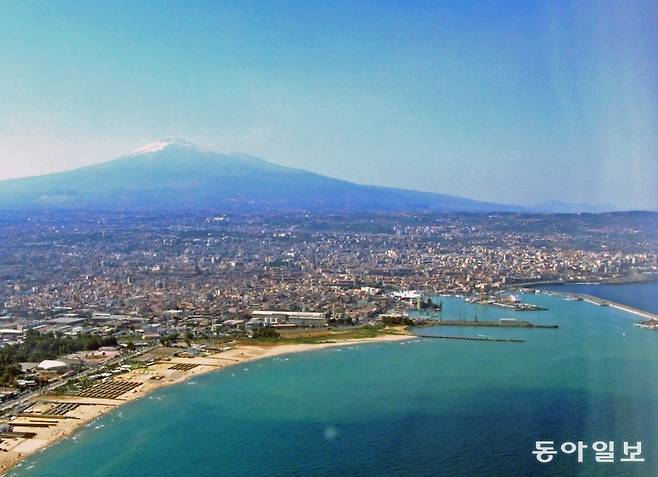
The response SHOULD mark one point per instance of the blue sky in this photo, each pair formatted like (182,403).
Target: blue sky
(519,101)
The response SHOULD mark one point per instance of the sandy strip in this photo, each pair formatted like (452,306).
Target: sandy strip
(14,450)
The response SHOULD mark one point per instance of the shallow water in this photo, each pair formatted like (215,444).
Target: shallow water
(422,407)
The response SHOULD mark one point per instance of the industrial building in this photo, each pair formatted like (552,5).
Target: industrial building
(299,318)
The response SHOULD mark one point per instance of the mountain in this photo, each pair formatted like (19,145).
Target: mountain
(557,207)
(175,174)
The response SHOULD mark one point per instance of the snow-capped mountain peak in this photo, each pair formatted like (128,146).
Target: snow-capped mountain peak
(160,145)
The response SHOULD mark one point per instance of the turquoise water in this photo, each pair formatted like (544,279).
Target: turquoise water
(423,407)
(640,295)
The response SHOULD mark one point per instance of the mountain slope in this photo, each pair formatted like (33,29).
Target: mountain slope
(558,207)
(174,174)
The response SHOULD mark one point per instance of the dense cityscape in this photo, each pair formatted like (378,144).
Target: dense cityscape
(328,238)
(86,298)
(152,275)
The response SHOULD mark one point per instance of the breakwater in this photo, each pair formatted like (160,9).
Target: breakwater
(594,300)
(473,338)
(491,324)
(620,306)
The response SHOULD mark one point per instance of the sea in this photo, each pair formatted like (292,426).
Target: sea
(420,407)
(640,295)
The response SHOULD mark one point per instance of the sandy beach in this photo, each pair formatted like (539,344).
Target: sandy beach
(53,417)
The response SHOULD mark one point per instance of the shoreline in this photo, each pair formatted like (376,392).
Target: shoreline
(155,376)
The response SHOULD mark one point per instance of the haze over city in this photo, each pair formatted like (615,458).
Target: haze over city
(515,102)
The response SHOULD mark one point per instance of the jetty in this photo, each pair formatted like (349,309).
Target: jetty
(502,323)
(473,338)
(594,300)
(619,306)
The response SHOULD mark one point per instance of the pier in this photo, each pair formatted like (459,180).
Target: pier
(594,300)
(491,324)
(619,306)
(473,338)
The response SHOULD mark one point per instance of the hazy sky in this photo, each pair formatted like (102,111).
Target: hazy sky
(521,102)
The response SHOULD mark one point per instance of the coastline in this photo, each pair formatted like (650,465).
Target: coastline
(155,376)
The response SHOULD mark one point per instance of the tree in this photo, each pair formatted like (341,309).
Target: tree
(265,333)
(38,347)
(392,320)
(168,339)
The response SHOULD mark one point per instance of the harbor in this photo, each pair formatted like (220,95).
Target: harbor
(507,302)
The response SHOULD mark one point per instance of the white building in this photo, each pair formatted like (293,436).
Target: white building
(53,365)
(299,318)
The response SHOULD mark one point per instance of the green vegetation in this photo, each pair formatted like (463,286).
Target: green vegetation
(267,333)
(330,335)
(167,340)
(214,343)
(38,347)
(343,320)
(397,320)
(188,338)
